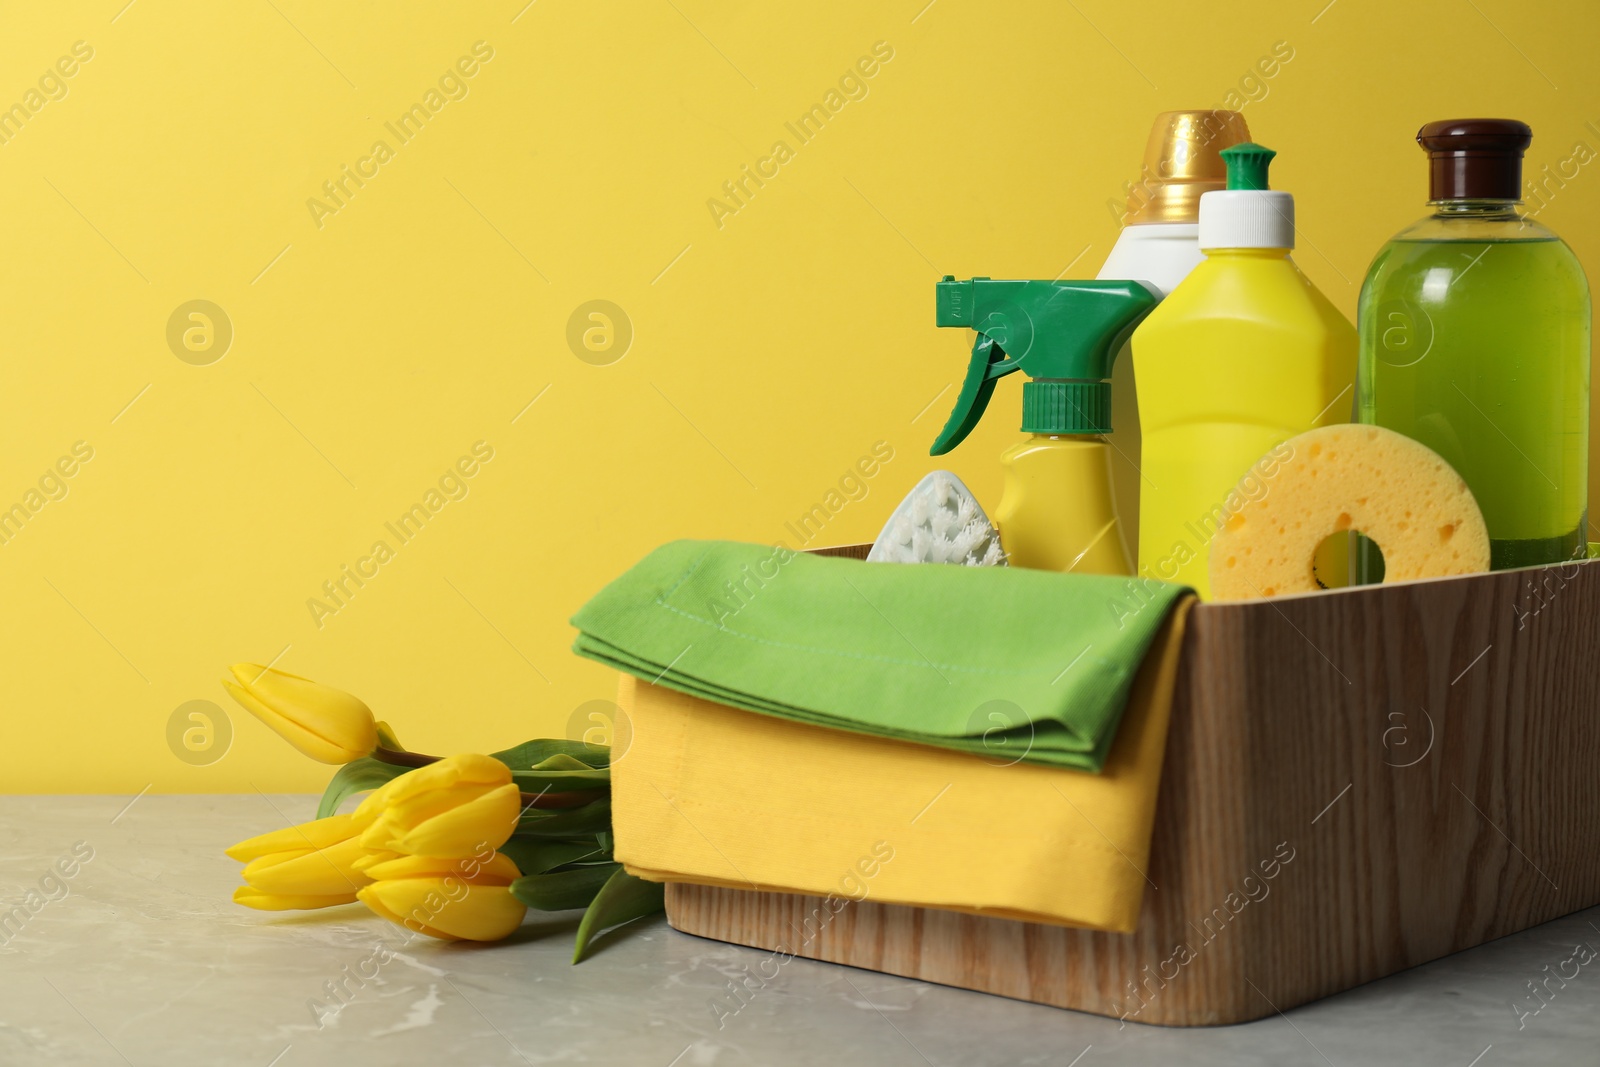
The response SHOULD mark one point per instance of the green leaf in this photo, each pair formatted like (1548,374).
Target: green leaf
(530,754)
(357,776)
(535,856)
(562,773)
(563,890)
(622,899)
(589,819)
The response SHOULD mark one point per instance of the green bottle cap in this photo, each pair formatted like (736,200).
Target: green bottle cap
(1066,407)
(1247,165)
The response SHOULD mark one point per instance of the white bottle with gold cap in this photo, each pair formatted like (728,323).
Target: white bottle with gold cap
(1160,245)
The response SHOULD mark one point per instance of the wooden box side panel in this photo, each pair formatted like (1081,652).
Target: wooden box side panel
(1429,751)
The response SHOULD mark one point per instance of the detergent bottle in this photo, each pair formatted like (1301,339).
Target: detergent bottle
(1160,238)
(1160,244)
(1056,512)
(1244,354)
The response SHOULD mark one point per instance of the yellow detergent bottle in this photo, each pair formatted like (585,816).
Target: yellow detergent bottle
(1244,354)
(1057,511)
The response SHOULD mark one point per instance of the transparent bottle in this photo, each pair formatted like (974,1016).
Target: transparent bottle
(1474,327)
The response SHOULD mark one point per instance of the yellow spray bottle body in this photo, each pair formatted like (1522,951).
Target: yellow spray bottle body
(1057,512)
(1244,354)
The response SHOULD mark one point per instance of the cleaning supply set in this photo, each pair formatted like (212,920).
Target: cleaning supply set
(989,736)
(918,727)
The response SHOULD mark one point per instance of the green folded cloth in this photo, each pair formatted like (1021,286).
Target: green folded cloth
(1019,665)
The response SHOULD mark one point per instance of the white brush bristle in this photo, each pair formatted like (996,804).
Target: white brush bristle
(940,522)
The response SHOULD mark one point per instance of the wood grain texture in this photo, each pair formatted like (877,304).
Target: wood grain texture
(1427,752)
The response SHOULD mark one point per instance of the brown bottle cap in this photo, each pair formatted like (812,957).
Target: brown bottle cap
(1181,161)
(1475,159)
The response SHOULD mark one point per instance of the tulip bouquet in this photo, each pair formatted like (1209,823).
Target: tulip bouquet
(456,848)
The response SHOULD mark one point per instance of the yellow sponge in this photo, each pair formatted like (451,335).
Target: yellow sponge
(1394,490)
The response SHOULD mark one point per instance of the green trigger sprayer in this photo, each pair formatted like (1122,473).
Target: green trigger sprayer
(1057,512)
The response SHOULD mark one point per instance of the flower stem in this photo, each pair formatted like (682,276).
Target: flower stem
(560,800)
(402,758)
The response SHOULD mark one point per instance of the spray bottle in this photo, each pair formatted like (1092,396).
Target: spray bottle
(1056,512)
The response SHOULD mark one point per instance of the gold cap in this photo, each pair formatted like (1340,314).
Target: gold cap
(1182,160)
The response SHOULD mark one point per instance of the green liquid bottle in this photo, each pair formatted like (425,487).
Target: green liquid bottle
(1474,329)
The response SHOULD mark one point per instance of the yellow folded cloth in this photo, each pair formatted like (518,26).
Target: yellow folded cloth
(716,796)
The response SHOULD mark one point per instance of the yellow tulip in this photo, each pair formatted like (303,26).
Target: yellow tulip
(462,806)
(299,867)
(451,899)
(326,724)
(373,856)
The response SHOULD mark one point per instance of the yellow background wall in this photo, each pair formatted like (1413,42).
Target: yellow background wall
(771,347)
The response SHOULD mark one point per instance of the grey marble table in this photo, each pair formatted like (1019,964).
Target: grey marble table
(141,958)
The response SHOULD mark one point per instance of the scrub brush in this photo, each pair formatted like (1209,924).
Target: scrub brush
(939,521)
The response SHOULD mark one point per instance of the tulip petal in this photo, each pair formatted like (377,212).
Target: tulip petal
(489,913)
(371,858)
(282,689)
(380,800)
(254,898)
(371,898)
(337,719)
(464,767)
(319,833)
(372,804)
(418,808)
(379,837)
(498,870)
(467,912)
(324,872)
(465,830)
(308,743)
(402,816)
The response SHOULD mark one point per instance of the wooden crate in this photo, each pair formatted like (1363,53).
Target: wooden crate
(1428,752)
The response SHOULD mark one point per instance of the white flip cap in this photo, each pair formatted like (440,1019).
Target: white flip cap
(1246,218)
